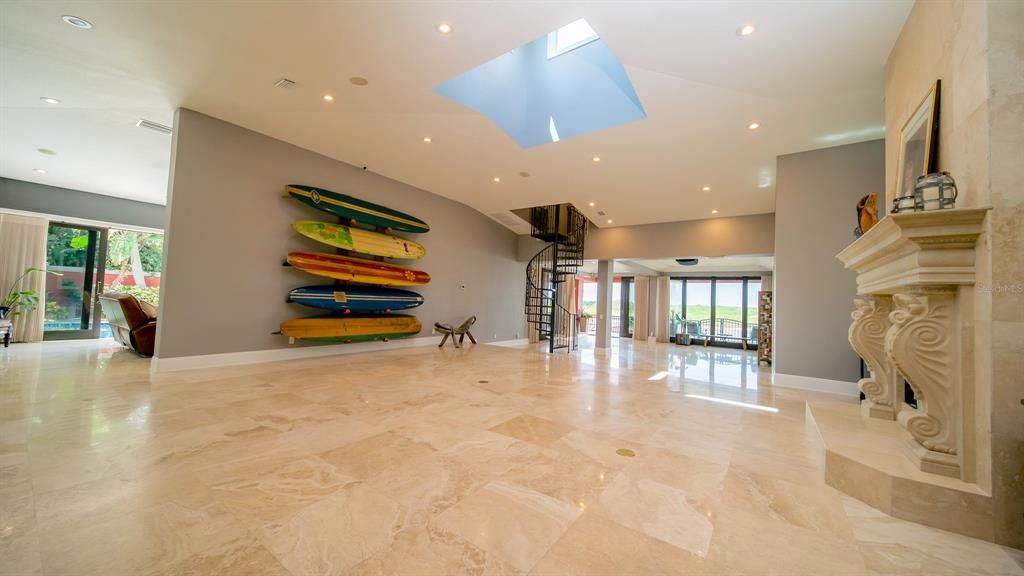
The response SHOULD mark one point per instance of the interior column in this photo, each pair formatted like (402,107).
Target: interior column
(605,274)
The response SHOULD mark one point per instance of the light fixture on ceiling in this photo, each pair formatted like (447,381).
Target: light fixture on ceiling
(497,179)
(358,81)
(707,188)
(714,211)
(753,126)
(150,125)
(427,139)
(328,98)
(39,170)
(46,151)
(746,30)
(609,220)
(49,100)
(444,28)
(591,204)
(597,158)
(77,22)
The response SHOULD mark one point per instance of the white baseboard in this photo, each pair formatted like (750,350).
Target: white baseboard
(816,384)
(510,343)
(279,354)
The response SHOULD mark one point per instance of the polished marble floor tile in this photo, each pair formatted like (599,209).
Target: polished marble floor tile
(483,460)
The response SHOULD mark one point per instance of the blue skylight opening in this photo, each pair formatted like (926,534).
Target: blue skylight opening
(562,85)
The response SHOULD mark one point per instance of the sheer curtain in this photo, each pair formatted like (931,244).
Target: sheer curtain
(23,245)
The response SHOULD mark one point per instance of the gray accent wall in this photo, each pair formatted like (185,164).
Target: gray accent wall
(816,195)
(730,236)
(76,204)
(229,230)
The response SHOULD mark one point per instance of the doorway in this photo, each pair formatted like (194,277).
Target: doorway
(77,255)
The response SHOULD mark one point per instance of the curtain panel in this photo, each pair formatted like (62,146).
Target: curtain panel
(23,245)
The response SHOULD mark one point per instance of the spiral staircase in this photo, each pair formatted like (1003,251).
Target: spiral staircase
(547,296)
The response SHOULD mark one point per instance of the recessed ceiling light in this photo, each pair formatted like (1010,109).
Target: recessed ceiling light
(707,188)
(753,126)
(497,179)
(597,158)
(46,151)
(49,100)
(746,30)
(609,220)
(39,170)
(427,140)
(328,98)
(591,204)
(444,28)
(77,22)
(714,211)
(358,81)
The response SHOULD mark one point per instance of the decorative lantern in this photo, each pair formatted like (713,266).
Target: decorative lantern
(906,202)
(934,191)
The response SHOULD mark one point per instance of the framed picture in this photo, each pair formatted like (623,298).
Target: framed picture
(919,143)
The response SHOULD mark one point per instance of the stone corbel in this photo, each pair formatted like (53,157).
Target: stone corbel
(921,343)
(883,387)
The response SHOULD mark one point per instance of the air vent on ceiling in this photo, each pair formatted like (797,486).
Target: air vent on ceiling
(284,83)
(600,213)
(143,123)
(686,261)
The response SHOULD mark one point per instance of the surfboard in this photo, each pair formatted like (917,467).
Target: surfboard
(357,270)
(355,209)
(359,240)
(351,328)
(356,299)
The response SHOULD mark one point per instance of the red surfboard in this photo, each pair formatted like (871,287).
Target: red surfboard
(350,269)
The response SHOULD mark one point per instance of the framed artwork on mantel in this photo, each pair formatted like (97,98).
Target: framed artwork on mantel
(919,143)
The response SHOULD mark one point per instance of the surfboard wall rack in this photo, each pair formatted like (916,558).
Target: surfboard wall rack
(362,299)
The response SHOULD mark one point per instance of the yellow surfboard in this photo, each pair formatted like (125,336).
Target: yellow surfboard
(359,240)
(351,328)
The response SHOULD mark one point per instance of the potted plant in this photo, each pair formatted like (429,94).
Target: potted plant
(16,301)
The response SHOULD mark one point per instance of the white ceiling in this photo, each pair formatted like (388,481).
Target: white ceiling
(812,76)
(705,265)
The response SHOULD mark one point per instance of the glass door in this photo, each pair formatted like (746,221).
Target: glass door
(77,254)
(627,302)
(728,312)
(697,319)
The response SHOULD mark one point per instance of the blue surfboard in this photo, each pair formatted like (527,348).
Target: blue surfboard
(355,299)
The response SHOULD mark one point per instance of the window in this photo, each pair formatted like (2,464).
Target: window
(753,287)
(723,310)
(570,37)
(675,307)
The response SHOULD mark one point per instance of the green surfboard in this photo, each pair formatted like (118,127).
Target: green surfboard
(356,209)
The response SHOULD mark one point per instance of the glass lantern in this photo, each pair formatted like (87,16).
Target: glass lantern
(906,203)
(935,191)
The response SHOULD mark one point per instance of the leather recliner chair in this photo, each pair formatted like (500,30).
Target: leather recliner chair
(132,322)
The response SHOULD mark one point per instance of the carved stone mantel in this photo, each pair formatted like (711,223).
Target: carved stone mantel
(883,387)
(915,278)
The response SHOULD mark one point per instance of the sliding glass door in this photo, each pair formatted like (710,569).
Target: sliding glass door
(77,255)
(722,311)
(627,312)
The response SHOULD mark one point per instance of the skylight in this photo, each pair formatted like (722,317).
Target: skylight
(563,84)
(570,37)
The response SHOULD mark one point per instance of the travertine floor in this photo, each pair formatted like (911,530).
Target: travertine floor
(426,461)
